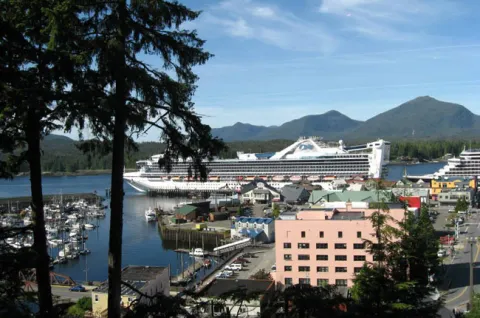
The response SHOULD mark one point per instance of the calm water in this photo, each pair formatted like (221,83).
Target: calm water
(142,244)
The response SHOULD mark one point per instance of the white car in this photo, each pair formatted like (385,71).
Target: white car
(441,253)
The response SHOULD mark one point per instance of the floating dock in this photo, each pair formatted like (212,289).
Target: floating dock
(24,202)
(187,273)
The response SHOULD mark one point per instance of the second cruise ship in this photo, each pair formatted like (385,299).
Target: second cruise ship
(309,158)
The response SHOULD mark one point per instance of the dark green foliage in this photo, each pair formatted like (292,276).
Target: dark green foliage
(397,283)
(78,310)
(475,310)
(14,299)
(85,303)
(461,205)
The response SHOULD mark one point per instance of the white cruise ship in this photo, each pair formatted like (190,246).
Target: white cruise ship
(309,158)
(466,165)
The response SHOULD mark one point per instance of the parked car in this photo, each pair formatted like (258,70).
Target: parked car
(274,268)
(442,253)
(234,267)
(77,288)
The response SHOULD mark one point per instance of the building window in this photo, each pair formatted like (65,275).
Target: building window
(340,234)
(304,281)
(303,245)
(303,233)
(359,234)
(303,257)
(303,268)
(340,257)
(287,257)
(322,269)
(359,258)
(287,268)
(340,246)
(357,270)
(340,269)
(288,281)
(341,282)
(96,297)
(322,282)
(322,257)
(322,245)
(358,246)
(321,234)
(287,245)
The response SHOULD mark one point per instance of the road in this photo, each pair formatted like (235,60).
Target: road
(64,293)
(457,268)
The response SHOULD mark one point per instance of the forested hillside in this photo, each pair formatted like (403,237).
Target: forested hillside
(61,155)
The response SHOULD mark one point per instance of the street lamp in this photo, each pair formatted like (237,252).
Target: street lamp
(471,241)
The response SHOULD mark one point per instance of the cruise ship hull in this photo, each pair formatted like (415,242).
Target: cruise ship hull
(142,184)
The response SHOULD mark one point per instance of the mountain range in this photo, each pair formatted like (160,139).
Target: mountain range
(420,118)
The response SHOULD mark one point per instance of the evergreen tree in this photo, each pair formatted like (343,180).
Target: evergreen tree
(129,96)
(34,79)
(397,283)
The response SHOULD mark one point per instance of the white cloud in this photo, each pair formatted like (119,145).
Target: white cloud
(391,20)
(271,25)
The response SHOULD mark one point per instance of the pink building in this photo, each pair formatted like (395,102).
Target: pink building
(324,246)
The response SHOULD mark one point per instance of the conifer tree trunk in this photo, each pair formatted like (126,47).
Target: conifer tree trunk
(40,241)
(118,158)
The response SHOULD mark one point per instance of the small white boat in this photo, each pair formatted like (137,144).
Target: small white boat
(89,226)
(150,215)
(27,221)
(76,226)
(198,252)
(52,243)
(72,216)
(73,234)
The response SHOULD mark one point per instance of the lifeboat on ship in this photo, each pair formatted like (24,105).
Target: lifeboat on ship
(250,178)
(176,179)
(165,178)
(189,179)
(329,178)
(296,178)
(239,178)
(313,178)
(278,178)
(214,178)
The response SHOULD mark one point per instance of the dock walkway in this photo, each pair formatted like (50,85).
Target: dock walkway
(184,250)
(187,272)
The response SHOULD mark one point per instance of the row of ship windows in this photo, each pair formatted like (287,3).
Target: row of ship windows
(322,269)
(277,165)
(355,170)
(324,257)
(320,281)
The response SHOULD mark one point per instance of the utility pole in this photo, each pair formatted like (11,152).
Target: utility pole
(471,240)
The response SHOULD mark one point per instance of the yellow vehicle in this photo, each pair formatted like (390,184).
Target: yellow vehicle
(200,226)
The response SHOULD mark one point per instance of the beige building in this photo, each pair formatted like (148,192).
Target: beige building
(149,280)
(258,191)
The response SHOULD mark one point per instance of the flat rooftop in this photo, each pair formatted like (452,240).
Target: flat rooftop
(221,286)
(142,273)
(348,216)
(136,276)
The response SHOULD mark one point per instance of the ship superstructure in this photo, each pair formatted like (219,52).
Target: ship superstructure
(466,165)
(309,158)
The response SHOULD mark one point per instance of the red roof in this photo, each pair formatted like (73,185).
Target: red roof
(413,202)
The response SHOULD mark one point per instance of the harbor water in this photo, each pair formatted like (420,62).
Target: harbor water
(142,244)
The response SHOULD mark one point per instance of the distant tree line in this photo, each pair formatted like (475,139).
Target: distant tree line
(65,157)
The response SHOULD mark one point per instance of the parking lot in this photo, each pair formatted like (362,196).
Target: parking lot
(263,258)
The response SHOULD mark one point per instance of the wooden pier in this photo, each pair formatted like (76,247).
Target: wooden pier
(187,273)
(194,238)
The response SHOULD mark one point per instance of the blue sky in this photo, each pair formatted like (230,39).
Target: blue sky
(279,60)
